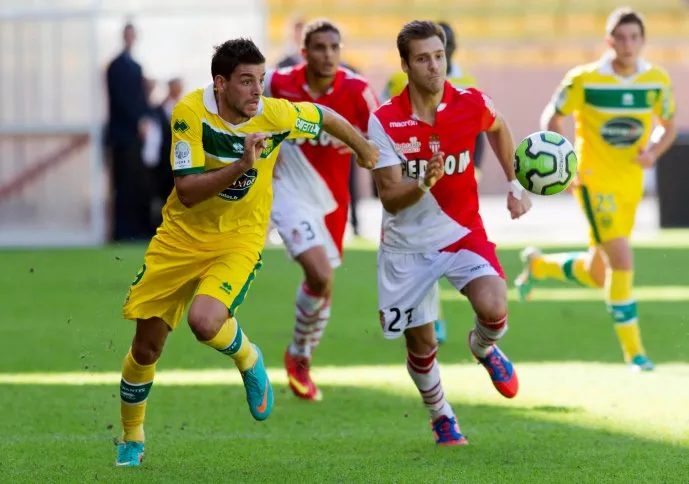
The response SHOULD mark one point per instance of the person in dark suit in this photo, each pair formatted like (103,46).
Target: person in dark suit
(128,108)
(157,155)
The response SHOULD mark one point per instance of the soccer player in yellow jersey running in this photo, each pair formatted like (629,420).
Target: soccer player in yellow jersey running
(225,140)
(614,102)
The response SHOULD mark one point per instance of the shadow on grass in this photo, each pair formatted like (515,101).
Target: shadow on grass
(205,434)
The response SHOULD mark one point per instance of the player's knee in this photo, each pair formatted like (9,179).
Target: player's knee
(149,339)
(491,305)
(598,277)
(147,351)
(319,280)
(421,340)
(619,254)
(204,325)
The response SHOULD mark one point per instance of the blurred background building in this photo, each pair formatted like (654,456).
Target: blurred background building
(56,166)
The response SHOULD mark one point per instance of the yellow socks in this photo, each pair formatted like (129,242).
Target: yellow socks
(232,341)
(618,293)
(135,385)
(564,266)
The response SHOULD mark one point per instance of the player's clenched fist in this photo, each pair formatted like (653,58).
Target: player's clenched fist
(254,143)
(434,169)
(369,156)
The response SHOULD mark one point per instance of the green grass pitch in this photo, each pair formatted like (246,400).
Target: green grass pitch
(581,416)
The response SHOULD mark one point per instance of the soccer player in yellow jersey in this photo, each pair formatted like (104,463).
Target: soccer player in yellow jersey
(225,140)
(614,102)
(458,77)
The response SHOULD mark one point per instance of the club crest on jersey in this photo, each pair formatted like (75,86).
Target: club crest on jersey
(413,146)
(434,143)
(241,187)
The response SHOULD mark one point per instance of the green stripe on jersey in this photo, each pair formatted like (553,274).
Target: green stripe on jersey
(189,171)
(621,97)
(229,147)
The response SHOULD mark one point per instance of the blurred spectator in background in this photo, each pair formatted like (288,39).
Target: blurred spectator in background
(156,152)
(127,94)
(293,56)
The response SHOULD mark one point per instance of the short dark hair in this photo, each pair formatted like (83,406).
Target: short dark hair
(621,16)
(230,54)
(450,39)
(417,30)
(317,26)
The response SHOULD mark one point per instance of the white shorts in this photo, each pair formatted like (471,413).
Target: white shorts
(302,229)
(408,289)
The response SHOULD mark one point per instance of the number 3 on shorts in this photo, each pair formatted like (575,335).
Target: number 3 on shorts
(393,318)
(310,235)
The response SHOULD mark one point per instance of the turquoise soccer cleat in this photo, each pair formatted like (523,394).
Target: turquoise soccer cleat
(524,282)
(129,454)
(259,392)
(642,363)
(440,331)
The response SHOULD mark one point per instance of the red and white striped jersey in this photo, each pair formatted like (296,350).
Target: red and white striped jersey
(450,210)
(315,173)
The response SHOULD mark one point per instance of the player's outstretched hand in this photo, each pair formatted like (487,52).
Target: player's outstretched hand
(646,158)
(369,156)
(518,206)
(574,184)
(254,143)
(435,169)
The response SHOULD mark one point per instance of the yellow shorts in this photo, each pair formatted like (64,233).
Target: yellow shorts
(171,275)
(610,215)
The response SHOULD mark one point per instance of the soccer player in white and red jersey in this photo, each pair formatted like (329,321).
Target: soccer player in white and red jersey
(431,222)
(311,188)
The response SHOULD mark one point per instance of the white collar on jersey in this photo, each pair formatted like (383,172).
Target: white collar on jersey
(606,66)
(212,107)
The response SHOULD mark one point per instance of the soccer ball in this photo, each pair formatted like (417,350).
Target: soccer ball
(545,163)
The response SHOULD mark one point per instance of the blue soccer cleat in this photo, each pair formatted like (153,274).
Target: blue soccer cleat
(500,369)
(642,363)
(440,331)
(129,454)
(259,392)
(446,431)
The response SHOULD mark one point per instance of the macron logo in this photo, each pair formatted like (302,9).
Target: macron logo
(403,124)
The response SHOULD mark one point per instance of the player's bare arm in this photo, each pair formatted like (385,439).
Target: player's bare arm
(340,128)
(196,188)
(396,194)
(502,142)
(551,120)
(661,140)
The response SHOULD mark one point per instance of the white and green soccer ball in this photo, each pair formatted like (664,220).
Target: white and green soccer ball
(545,163)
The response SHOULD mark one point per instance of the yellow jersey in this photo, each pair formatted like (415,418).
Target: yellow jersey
(203,141)
(397,82)
(613,119)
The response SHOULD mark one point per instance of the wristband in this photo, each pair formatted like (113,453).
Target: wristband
(422,185)
(516,189)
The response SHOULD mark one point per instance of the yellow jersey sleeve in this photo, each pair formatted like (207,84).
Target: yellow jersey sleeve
(569,96)
(395,85)
(301,119)
(664,106)
(187,155)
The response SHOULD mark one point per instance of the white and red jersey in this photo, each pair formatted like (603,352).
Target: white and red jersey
(450,210)
(316,172)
